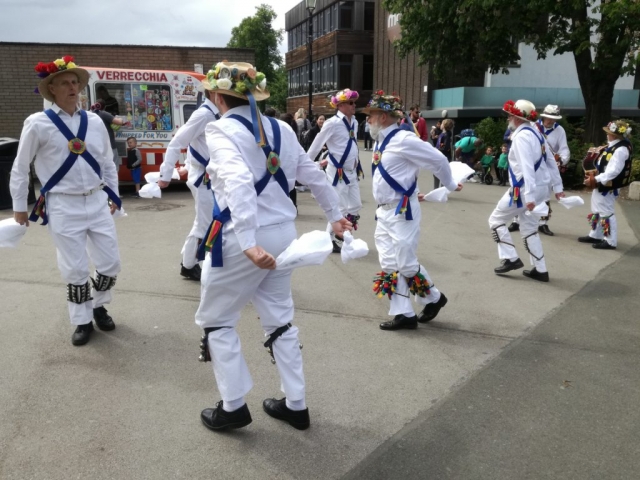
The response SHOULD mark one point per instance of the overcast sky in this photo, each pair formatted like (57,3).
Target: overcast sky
(149,22)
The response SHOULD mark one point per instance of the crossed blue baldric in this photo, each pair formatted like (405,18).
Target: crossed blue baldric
(200,158)
(340,165)
(520,183)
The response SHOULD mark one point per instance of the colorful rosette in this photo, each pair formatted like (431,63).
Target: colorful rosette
(385,284)
(593,219)
(419,285)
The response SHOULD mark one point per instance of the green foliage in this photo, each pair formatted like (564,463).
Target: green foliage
(257,32)
(491,131)
(279,88)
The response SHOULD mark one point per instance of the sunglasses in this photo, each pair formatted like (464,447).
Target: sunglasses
(352,103)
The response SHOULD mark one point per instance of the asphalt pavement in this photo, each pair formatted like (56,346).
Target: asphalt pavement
(383,404)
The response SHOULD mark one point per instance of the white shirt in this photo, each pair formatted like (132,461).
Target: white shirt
(41,139)
(615,165)
(557,140)
(335,135)
(191,133)
(403,157)
(237,163)
(524,154)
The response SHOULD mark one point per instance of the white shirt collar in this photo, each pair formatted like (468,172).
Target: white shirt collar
(613,142)
(383,134)
(56,108)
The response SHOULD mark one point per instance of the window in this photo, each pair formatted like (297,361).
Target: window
(327,21)
(332,75)
(369,15)
(187,111)
(344,80)
(346,16)
(367,72)
(290,39)
(315,27)
(147,107)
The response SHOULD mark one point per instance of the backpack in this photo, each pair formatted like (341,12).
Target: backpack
(467,132)
(306,140)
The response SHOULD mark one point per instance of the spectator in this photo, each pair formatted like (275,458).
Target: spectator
(311,136)
(110,104)
(419,122)
(289,120)
(108,120)
(503,166)
(466,149)
(368,141)
(270,112)
(436,130)
(302,122)
(486,161)
(445,139)
(134,163)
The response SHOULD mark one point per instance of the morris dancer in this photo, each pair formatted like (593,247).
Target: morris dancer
(191,137)
(398,157)
(255,161)
(74,162)
(531,171)
(339,133)
(614,172)
(557,141)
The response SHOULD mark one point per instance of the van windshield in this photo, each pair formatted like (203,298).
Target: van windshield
(145,106)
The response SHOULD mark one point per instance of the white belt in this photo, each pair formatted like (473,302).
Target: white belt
(83,194)
(394,205)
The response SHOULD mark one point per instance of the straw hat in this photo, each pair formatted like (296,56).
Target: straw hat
(343,96)
(235,80)
(552,112)
(391,104)
(619,128)
(523,109)
(48,71)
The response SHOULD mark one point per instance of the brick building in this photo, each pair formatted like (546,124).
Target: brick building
(18,79)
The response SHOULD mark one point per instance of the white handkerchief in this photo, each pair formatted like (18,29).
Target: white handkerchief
(541,210)
(439,195)
(570,202)
(460,171)
(353,248)
(154,177)
(312,248)
(150,190)
(120,213)
(11,233)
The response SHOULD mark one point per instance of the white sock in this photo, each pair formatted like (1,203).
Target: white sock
(296,405)
(232,405)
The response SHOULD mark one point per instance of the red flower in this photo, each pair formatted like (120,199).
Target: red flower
(533,115)
(41,67)
(52,67)
(67,58)
(380,92)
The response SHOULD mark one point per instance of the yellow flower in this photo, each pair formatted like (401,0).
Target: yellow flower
(59,62)
(71,65)
(622,129)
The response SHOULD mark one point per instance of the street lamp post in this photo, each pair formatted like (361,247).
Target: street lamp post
(311,6)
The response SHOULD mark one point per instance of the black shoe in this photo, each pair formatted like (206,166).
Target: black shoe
(191,273)
(514,227)
(508,265)
(399,322)
(82,334)
(278,409)
(536,275)
(337,245)
(430,310)
(103,319)
(588,239)
(545,229)
(219,419)
(603,245)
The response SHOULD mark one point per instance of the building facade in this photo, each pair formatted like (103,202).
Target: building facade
(18,79)
(342,47)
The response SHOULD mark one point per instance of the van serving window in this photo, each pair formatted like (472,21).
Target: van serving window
(146,106)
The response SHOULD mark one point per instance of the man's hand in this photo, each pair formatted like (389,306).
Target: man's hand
(163,184)
(113,207)
(560,195)
(421,197)
(261,258)
(459,188)
(323,163)
(531,206)
(21,217)
(341,226)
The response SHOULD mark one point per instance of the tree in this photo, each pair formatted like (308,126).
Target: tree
(604,38)
(257,32)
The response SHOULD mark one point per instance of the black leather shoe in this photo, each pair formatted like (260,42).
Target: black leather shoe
(603,245)
(399,322)
(82,334)
(508,265)
(278,409)
(514,227)
(103,319)
(191,273)
(545,229)
(536,275)
(588,239)
(430,310)
(218,419)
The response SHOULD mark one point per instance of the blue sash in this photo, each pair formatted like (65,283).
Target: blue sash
(377,153)
(77,148)
(202,161)
(404,205)
(213,238)
(518,184)
(204,105)
(340,165)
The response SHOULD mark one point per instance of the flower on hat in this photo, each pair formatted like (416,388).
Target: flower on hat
(221,77)
(510,107)
(343,96)
(384,102)
(58,65)
(619,127)
(224,83)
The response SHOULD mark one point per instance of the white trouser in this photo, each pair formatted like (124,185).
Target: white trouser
(397,242)
(204,214)
(226,290)
(349,195)
(504,212)
(74,219)
(550,195)
(604,205)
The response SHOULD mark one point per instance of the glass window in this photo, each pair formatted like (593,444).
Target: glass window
(290,40)
(315,26)
(367,72)
(187,111)
(327,21)
(303,32)
(332,75)
(344,80)
(369,15)
(346,16)
(334,14)
(147,107)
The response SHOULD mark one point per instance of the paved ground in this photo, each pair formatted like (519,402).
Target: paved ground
(127,405)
